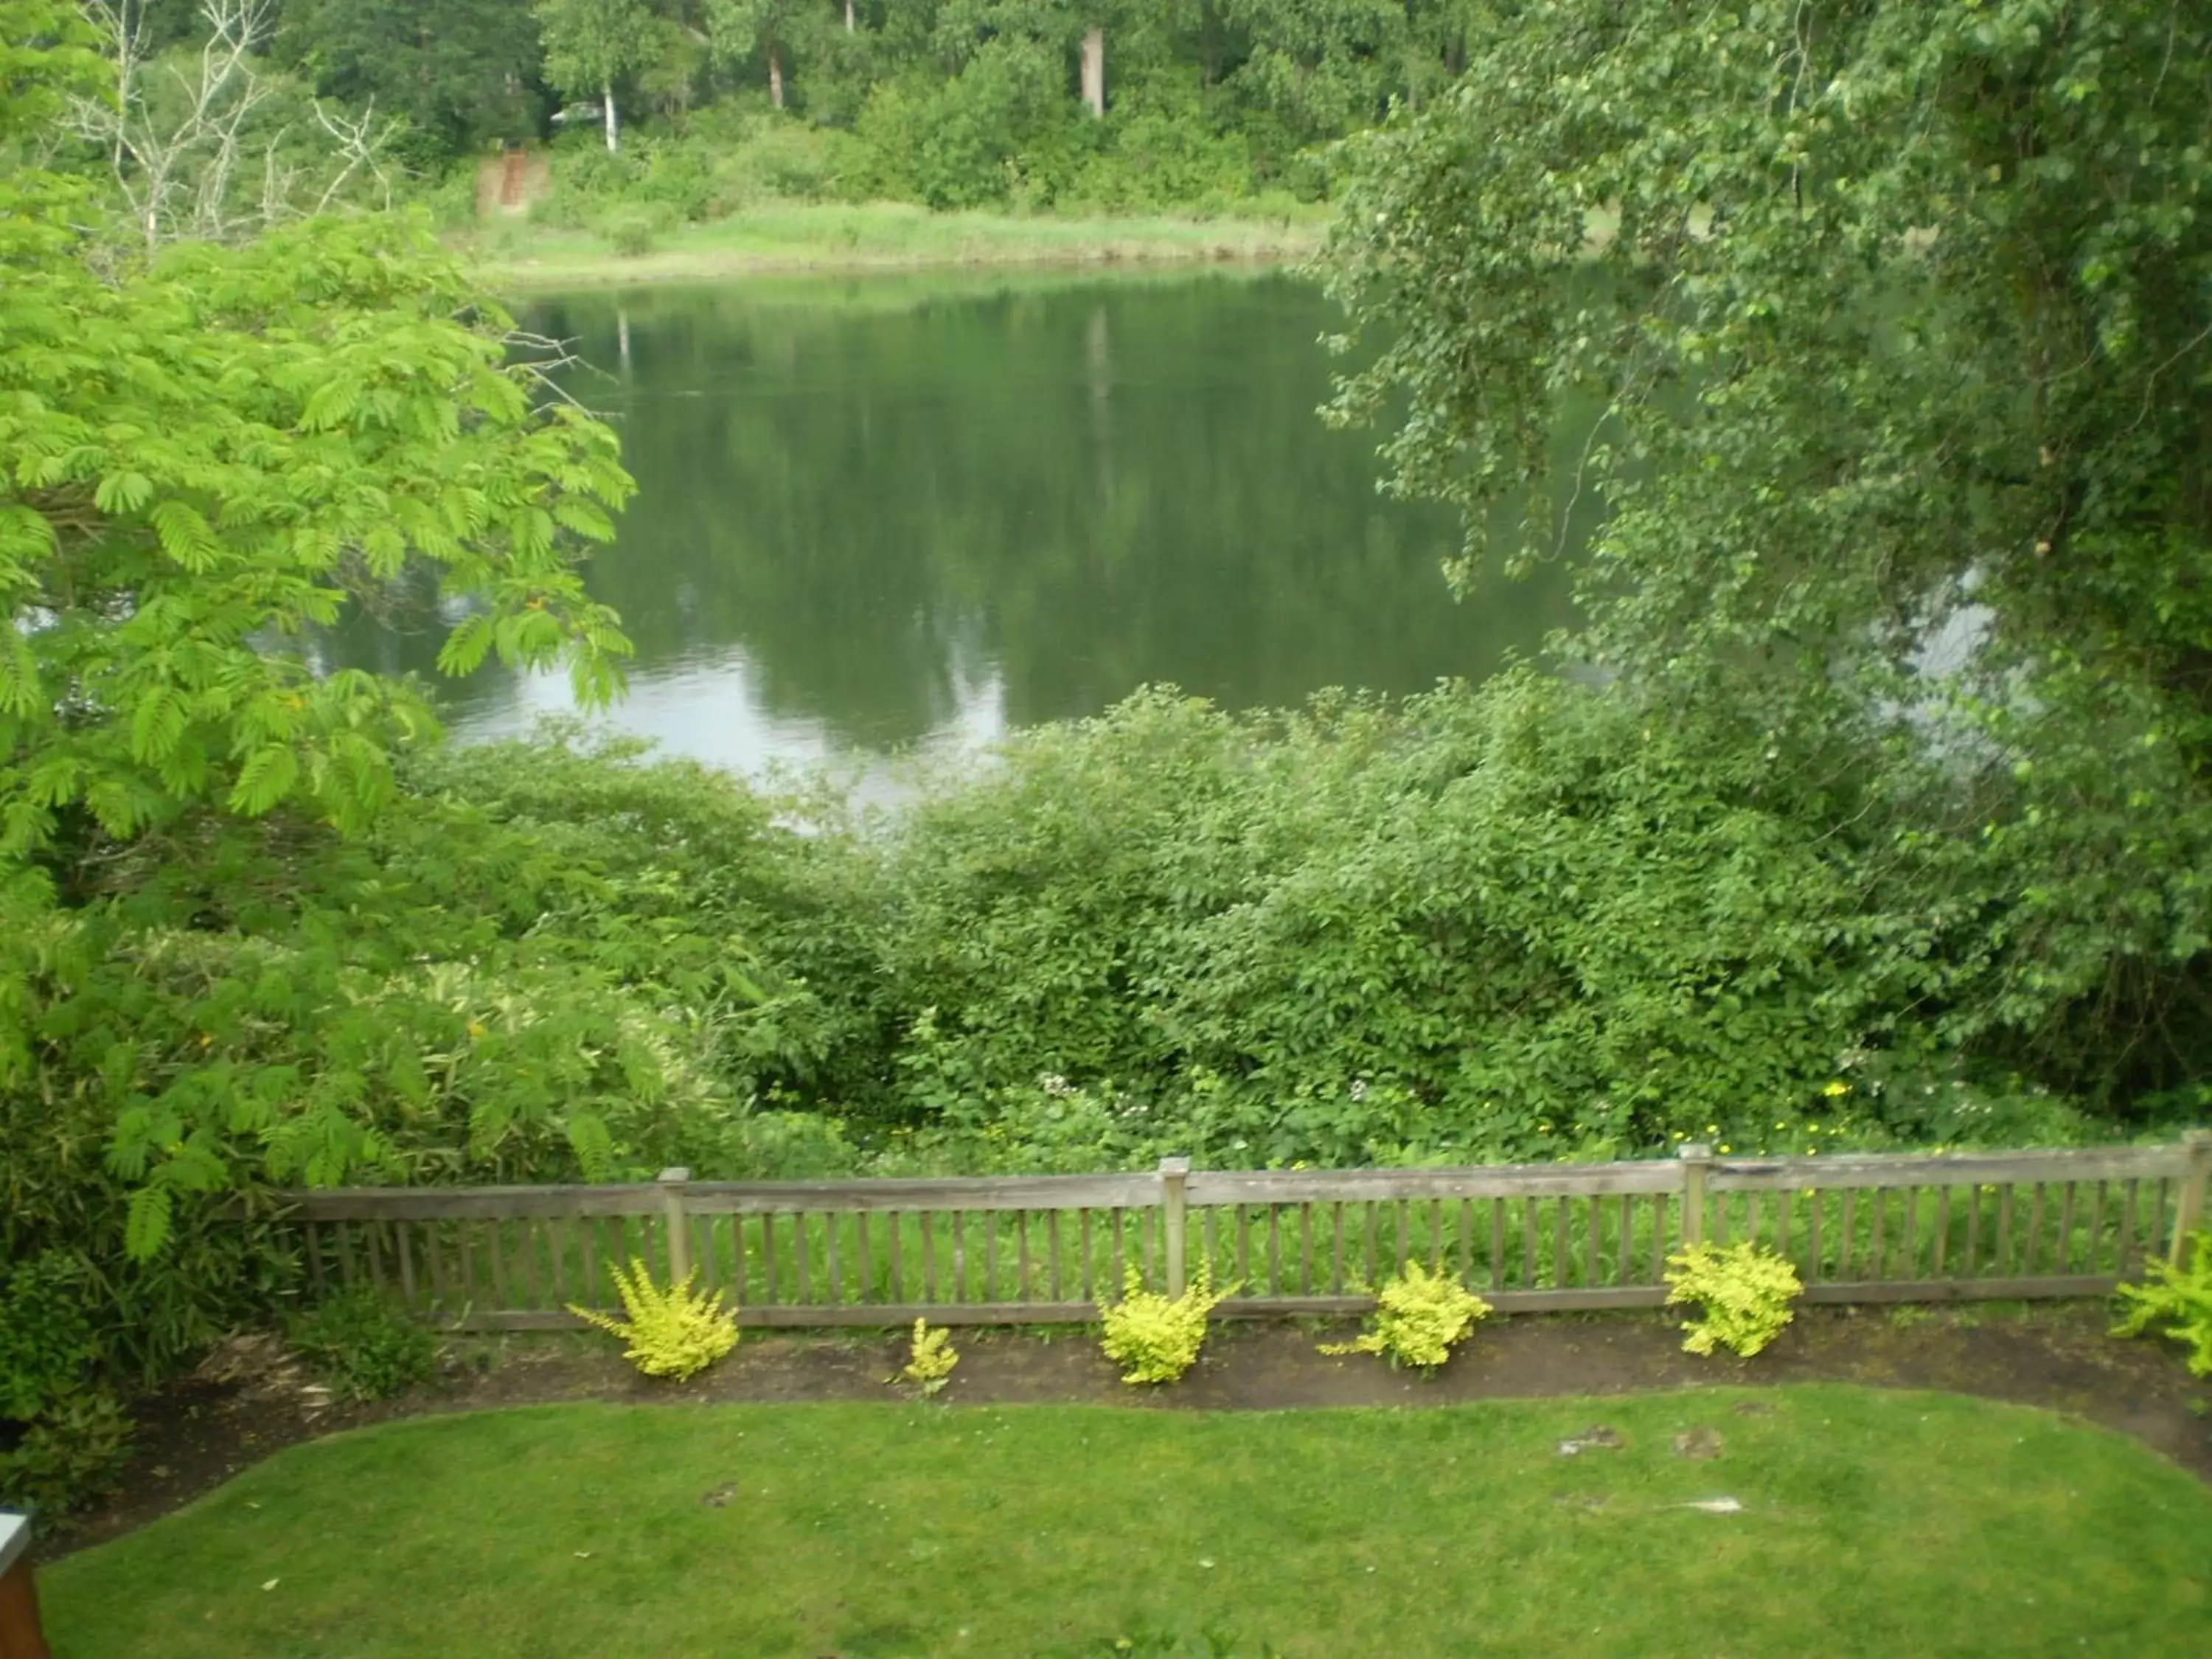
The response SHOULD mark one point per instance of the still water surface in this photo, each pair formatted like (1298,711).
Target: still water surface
(897,513)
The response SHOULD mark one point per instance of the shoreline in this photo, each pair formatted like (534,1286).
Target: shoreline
(879,238)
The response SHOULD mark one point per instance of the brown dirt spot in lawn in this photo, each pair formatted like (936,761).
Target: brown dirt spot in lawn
(196,1434)
(1699,1445)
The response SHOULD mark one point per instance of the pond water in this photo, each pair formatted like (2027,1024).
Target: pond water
(887,513)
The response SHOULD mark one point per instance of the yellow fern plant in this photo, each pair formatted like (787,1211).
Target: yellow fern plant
(1744,1292)
(1156,1338)
(930,1358)
(677,1331)
(1419,1316)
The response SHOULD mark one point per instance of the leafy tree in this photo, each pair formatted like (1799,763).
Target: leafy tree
(1896,315)
(459,73)
(742,28)
(200,461)
(589,43)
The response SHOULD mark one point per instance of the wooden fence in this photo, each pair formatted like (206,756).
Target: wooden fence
(1040,1249)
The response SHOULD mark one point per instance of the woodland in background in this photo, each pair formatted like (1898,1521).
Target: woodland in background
(1876,813)
(692,109)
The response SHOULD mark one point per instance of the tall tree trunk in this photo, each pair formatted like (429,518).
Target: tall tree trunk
(1094,71)
(614,121)
(848,17)
(776,76)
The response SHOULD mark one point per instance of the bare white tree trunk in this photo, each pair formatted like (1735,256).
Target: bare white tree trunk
(1094,71)
(775,76)
(614,121)
(848,17)
(179,176)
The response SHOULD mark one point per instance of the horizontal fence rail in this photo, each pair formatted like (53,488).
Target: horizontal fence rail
(1049,1249)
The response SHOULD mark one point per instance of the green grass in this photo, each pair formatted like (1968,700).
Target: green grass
(880,235)
(1878,1523)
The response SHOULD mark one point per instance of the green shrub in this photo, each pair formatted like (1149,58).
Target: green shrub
(677,1331)
(73,1434)
(70,1455)
(47,1344)
(2176,1303)
(1744,1294)
(1156,1338)
(776,158)
(632,231)
(1418,1316)
(364,1345)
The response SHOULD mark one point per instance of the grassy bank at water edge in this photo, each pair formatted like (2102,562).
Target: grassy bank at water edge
(882,235)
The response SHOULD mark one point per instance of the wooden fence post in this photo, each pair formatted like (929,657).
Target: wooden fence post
(671,1210)
(1174,1171)
(2197,1170)
(1697,1162)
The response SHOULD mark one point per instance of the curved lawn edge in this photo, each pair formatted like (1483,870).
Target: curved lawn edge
(1898,1520)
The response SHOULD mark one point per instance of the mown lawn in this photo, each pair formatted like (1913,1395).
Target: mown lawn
(1875,1522)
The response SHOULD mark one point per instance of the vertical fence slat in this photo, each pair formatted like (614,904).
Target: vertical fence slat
(2128,1192)
(1783,1238)
(433,1262)
(1467,1241)
(1336,1253)
(1817,1202)
(1627,1238)
(1847,1234)
(2004,1228)
(466,1231)
(1496,1243)
(527,1241)
(2066,1227)
(495,1244)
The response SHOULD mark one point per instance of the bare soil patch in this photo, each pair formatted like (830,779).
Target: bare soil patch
(254,1399)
